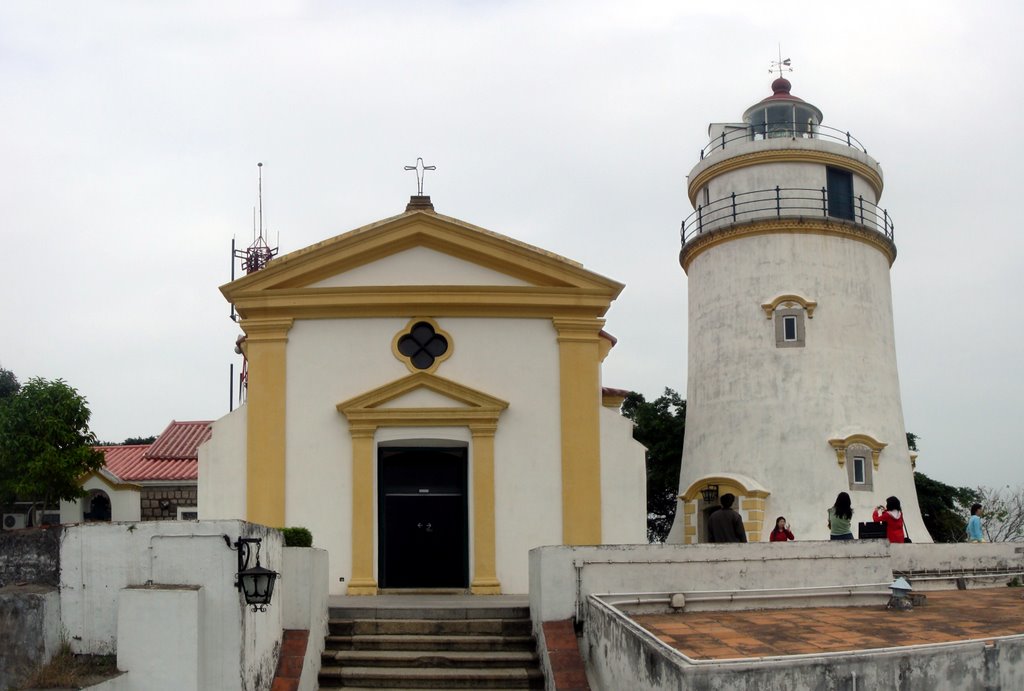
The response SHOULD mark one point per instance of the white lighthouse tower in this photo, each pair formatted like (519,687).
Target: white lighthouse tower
(793,393)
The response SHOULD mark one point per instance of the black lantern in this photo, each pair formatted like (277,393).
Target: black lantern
(709,493)
(256,583)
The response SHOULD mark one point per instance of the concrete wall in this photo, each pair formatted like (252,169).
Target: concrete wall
(621,655)
(29,629)
(30,556)
(562,576)
(148,563)
(303,598)
(221,495)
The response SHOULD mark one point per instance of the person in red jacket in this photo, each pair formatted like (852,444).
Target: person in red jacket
(782,532)
(892,515)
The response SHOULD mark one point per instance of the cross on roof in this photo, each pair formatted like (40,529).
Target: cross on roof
(420,172)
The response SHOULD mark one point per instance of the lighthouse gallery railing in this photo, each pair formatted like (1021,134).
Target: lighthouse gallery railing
(779,130)
(785,202)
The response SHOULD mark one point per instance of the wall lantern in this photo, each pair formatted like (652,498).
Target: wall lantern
(709,493)
(255,582)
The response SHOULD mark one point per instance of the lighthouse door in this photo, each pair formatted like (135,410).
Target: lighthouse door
(840,193)
(423,518)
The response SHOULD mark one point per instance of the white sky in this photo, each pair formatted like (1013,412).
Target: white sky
(131,131)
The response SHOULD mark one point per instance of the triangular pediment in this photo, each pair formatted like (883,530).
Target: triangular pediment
(422,398)
(458,395)
(443,234)
(378,264)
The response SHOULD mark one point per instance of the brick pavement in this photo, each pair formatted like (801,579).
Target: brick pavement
(946,616)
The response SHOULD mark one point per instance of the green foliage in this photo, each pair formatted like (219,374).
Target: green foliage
(944,508)
(912,441)
(297,537)
(45,442)
(136,441)
(659,425)
(8,384)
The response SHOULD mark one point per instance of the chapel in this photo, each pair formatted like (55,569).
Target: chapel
(425,396)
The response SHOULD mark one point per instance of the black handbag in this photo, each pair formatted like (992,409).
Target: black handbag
(906,534)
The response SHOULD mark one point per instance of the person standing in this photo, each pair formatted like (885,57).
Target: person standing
(726,525)
(892,515)
(781,533)
(839,517)
(974,533)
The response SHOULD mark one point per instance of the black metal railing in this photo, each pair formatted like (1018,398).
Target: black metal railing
(786,202)
(780,130)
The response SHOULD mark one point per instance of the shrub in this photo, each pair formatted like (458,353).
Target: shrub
(297,537)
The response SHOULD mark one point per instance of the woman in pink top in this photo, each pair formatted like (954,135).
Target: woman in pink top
(892,515)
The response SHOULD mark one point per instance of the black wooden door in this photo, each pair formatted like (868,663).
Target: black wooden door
(423,518)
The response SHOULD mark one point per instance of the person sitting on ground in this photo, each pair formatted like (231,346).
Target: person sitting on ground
(782,533)
(892,515)
(725,525)
(839,516)
(974,533)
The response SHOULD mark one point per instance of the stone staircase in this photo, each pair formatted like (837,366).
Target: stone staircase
(430,647)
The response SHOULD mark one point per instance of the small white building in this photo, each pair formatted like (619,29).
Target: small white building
(793,393)
(425,396)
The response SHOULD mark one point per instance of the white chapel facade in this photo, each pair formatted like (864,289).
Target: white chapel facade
(793,392)
(425,396)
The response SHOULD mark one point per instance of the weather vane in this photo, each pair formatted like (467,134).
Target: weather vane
(780,65)
(421,170)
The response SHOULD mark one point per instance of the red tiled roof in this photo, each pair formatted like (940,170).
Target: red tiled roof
(180,441)
(173,456)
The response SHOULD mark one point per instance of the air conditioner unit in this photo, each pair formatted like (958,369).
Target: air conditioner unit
(51,518)
(14,521)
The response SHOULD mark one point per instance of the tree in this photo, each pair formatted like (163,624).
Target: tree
(944,508)
(660,426)
(1004,513)
(135,441)
(45,442)
(8,384)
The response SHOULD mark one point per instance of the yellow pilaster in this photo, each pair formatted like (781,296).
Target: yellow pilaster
(580,386)
(266,341)
(362,581)
(485,578)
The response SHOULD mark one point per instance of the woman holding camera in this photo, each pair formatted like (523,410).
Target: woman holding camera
(892,515)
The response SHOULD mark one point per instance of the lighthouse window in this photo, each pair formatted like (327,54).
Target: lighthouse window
(789,328)
(858,470)
(858,467)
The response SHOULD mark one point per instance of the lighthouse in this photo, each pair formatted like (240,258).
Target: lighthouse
(793,392)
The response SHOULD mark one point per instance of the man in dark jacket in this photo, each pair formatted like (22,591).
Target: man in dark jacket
(725,525)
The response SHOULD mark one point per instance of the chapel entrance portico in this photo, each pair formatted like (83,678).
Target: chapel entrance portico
(455,406)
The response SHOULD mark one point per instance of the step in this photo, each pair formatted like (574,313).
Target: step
(343,627)
(481,612)
(404,642)
(430,678)
(446,659)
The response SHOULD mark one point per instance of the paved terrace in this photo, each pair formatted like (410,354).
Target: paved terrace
(947,616)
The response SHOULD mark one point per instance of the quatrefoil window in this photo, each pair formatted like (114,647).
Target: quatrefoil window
(424,345)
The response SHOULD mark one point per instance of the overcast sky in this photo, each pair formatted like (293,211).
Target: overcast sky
(131,132)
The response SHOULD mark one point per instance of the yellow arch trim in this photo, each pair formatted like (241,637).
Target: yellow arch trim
(799,225)
(840,446)
(756,158)
(770,307)
(729,483)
